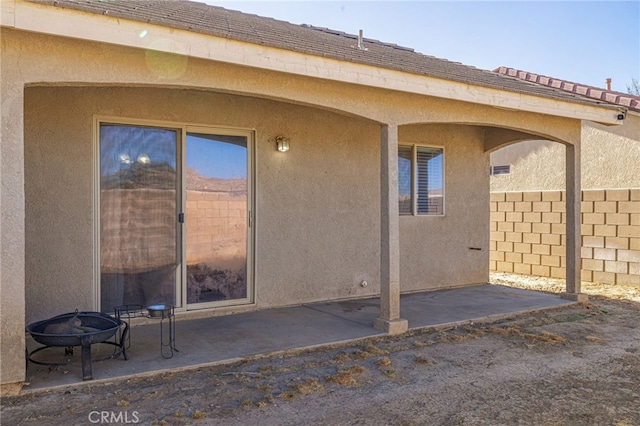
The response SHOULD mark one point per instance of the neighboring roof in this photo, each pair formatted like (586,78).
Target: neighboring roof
(310,40)
(617,98)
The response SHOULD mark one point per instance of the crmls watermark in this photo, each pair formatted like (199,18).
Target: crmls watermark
(113,417)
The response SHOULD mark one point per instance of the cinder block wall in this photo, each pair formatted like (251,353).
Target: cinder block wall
(528,234)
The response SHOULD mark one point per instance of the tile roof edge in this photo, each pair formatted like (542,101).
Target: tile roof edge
(624,100)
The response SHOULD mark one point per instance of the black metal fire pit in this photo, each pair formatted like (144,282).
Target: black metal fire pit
(78,329)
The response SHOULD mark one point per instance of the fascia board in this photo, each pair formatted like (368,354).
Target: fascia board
(105,29)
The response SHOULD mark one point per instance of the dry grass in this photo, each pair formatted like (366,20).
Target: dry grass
(422,360)
(309,387)
(593,339)
(197,415)
(347,376)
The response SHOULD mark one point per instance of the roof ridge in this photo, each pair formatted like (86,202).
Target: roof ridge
(610,96)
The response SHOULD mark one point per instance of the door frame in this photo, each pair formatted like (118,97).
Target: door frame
(181,129)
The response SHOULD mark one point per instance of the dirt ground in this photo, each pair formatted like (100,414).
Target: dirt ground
(577,365)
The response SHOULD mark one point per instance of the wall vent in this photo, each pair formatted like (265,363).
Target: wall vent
(500,170)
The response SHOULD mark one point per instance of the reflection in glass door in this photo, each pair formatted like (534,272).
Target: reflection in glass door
(139,197)
(216,213)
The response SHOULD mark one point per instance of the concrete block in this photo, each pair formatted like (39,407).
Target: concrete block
(541,249)
(493,206)
(532,196)
(617,218)
(586,230)
(504,266)
(531,238)
(586,207)
(558,273)
(575,297)
(634,268)
(634,219)
(541,228)
(616,243)
(594,241)
(522,247)
(496,236)
(635,195)
(513,257)
(634,243)
(493,226)
(522,227)
(514,237)
(492,265)
(626,279)
(605,230)
(552,196)
(586,252)
(551,239)
(520,268)
(629,231)
(559,206)
(505,206)
(558,251)
(504,246)
(540,270)
(513,196)
(513,216)
(593,195)
(553,217)
(497,256)
(593,265)
(523,206)
(587,275)
(550,261)
(505,226)
(605,207)
(617,195)
(492,245)
(497,196)
(497,216)
(531,259)
(629,207)
(532,217)
(593,218)
(616,267)
(604,277)
(541,206)
(604,253)
(629,256)
(559,228)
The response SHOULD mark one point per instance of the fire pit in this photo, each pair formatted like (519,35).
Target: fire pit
(78,329)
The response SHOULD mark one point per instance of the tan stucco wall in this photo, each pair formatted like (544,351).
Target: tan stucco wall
(433,254)
(610,160)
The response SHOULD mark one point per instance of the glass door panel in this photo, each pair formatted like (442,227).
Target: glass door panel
(139,181)
(216,218)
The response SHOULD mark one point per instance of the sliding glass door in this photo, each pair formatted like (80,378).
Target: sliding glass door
(174,208)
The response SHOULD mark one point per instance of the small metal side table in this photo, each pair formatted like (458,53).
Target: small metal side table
(163,312)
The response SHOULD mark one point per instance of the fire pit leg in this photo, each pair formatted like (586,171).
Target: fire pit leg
(86,357)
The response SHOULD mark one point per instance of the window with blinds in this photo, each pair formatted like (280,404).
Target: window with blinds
(420,180)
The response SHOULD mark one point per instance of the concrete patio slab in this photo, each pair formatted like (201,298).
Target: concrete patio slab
(234,337)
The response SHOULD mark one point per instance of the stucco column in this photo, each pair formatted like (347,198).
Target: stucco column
(12,236)
(574,222)
(389,320)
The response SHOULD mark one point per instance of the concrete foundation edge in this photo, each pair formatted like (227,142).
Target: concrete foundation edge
(576,297)
(397,326)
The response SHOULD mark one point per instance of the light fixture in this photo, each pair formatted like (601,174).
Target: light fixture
(282,143)
(143,158)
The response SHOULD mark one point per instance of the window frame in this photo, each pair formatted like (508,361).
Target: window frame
(414,180)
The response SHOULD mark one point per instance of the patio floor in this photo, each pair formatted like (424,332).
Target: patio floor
(234,337)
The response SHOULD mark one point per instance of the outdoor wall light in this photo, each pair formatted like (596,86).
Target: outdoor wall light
(282,144)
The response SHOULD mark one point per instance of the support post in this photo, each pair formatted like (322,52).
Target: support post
(573,195)
(389,320)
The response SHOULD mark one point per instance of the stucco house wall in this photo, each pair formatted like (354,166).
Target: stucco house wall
(326,212)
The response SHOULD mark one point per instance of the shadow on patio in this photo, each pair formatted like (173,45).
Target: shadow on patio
(234,337)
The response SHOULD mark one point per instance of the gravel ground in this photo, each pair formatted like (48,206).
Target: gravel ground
(577,365)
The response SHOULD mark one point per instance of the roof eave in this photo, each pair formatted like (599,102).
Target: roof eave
(105,29)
